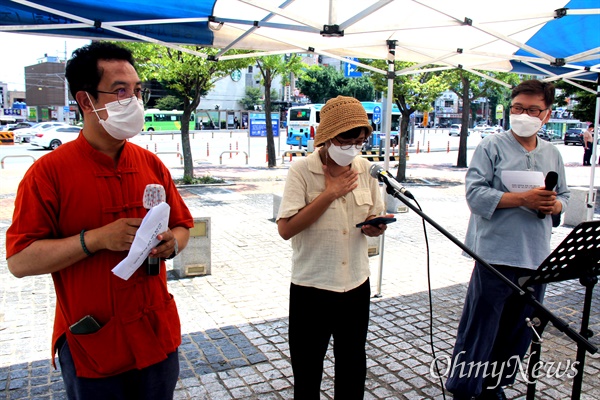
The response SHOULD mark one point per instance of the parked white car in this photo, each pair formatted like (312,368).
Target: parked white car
(480,127)
(455,130)
(24,135)
(490,131)
(55,136)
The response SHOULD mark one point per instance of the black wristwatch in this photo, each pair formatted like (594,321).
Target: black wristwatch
(175,251)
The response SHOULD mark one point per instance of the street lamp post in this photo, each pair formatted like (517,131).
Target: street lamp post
(66,110)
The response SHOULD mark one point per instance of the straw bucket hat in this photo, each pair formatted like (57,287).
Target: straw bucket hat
(340,115)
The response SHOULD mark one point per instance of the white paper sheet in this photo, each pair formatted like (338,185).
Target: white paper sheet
(153,224)
(522,181)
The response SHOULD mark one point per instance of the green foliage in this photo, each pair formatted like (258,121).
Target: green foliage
(203,180)
(169,103)
(190,76)
(360,88)
(412,92)
(584,108)
(468,87)
(271,67)
(479,87)
(323,83)
(253,96)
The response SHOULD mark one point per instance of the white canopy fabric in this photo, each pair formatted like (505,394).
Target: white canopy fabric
(470,33)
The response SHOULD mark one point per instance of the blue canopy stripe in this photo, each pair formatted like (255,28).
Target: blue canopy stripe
(159,20)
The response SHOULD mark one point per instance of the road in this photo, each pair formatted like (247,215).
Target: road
(219,147)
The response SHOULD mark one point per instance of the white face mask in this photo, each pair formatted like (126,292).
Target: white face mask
(524,125)
(343,157)
(123,122)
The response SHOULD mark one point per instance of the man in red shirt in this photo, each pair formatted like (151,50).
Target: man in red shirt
(77,211)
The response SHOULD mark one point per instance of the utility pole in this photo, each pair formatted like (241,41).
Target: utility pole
(66,109)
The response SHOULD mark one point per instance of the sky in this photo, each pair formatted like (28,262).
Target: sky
(19,51)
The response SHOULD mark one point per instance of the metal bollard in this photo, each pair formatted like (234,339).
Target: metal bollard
(417,147)
(448,148)
(207,150)
(428,147)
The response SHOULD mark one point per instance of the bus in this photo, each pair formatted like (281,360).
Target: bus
(158,120)
(302,123)
(378,137)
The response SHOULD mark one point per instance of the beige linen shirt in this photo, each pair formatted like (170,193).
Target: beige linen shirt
(331,254)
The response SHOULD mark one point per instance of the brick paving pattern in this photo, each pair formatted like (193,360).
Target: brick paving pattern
(234,321)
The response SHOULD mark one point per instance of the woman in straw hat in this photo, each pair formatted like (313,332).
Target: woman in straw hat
(326,194)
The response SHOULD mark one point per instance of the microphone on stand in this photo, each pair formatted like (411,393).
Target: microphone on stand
(384,176)
(153,195)
(550,182)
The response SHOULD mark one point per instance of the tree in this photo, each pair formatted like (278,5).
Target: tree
(502,97)
(360,88)
(271,67)
(252,98)
(411,93)
(469,87)
(584,108)
(188,75)
(169,103)
(323,83)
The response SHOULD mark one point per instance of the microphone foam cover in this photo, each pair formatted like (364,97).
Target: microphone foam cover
(154,195)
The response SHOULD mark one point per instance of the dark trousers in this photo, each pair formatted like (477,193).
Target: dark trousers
(492,329)
(315,316)
(587,155)
(156,382)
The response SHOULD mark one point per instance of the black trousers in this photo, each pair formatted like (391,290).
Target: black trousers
(315,316)
(587,155)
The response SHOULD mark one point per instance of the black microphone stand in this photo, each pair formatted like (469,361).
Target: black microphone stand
(542,311)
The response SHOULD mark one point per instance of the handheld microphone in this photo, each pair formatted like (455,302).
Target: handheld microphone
(153,195)
(550,182)
(384,176)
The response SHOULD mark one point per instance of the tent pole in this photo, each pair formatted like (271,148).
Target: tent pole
(386,160)
(591,197)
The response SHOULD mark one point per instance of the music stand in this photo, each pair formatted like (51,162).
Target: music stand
(577,257)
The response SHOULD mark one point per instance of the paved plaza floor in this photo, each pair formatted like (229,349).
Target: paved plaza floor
(234,321)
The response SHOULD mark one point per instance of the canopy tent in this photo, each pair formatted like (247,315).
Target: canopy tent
(490,37)
(557,38)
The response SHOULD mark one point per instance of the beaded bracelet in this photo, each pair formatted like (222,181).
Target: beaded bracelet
(83,246)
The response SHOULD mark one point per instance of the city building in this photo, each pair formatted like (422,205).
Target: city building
(8,113)
(46,91)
